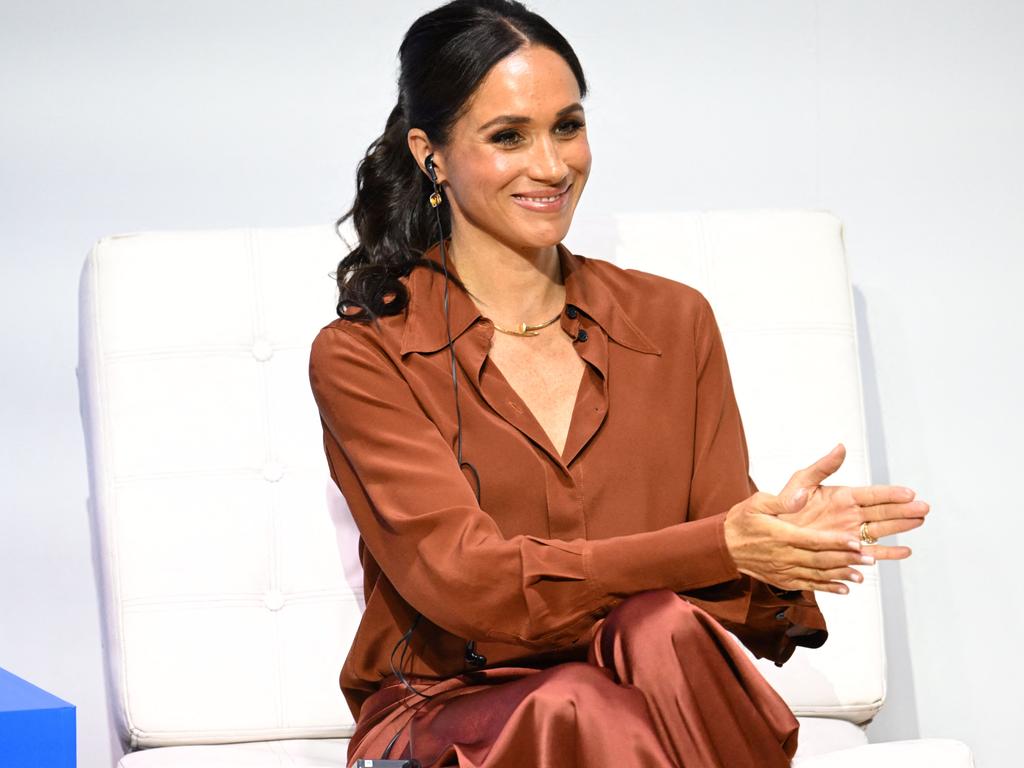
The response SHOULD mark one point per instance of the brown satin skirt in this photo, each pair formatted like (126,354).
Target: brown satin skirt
(664,686)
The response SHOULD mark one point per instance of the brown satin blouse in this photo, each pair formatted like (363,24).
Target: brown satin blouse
(655,457)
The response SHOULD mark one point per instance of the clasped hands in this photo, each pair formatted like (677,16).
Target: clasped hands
(808,536)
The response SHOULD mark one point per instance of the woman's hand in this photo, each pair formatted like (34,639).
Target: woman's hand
(888,509)
(814,538)
(785,555)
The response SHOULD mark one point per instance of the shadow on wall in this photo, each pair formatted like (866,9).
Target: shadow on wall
(898,719)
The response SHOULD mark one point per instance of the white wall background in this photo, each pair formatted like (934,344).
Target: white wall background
(903,117)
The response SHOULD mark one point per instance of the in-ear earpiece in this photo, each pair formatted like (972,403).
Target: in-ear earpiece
(435,197)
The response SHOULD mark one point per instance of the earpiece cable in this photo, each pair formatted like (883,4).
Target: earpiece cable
(472,657)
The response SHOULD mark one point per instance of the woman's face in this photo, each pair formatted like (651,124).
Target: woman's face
(521,142)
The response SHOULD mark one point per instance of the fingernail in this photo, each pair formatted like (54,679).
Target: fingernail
(867,559)
(854,544)
(844,589)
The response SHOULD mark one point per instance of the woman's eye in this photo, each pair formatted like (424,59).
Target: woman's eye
(571,127)
(512,138)
(508,138)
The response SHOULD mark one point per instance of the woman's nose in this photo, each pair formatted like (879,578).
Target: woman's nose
(547,163)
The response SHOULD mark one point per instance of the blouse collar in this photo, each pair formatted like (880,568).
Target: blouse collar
(585,289)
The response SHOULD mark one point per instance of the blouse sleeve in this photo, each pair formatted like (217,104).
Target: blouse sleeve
(444,554)
(770,622)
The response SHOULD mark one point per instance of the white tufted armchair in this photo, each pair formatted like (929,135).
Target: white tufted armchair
(230,581)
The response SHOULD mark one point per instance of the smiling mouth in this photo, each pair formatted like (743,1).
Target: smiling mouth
(548,199)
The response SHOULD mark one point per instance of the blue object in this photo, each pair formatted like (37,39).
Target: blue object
(37,730)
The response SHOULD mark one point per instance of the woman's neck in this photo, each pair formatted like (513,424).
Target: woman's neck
(509,285)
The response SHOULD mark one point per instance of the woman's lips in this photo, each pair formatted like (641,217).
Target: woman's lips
(544,204)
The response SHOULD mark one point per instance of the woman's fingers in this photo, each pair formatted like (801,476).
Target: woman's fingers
(880,552)
(887,519)
(835,559)
(815,474)
(879,529)
(827,549)
(767,503)
(813,583)
(803,575)
(895,510)
(873,495)
(816,539)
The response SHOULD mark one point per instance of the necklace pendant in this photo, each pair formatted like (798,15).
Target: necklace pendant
(526,330)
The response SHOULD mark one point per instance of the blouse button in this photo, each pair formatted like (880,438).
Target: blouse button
(581,336)
(571,311)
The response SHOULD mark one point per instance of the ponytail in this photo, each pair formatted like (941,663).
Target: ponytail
(395,224)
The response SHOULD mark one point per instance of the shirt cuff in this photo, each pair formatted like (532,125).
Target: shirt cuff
(795,610)
(679,557)
(784,594)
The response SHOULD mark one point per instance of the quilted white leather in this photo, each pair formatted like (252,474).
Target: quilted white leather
(295,753)
(228,607)
(231,585)
(777,282)
(926,753)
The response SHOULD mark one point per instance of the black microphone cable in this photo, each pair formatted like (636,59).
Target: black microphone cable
(472,658)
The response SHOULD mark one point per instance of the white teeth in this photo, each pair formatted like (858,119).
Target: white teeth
(539,199)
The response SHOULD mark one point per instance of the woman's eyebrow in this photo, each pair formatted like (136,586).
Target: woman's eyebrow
(518,119)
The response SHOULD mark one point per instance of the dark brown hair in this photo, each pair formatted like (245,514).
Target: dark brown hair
(444,56)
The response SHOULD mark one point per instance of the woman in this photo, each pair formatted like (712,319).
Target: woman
(543,452)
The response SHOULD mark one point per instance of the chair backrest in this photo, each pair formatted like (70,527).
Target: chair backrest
(230,581)
(228,608)
(778,283)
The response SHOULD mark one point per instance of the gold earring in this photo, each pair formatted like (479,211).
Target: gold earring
(435,199)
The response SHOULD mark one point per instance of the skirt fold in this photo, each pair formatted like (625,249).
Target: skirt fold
(664,686)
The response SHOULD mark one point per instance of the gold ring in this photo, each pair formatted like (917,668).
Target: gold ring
(865,537)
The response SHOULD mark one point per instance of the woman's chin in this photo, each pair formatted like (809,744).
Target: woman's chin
(544,235)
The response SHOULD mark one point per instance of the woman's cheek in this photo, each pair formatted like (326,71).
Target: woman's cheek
(583,159)
(503,168)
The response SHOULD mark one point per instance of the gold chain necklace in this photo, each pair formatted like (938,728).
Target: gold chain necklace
(526,330)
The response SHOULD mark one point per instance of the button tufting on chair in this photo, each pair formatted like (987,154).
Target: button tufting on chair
(274,600)
(273,471)
(262,350)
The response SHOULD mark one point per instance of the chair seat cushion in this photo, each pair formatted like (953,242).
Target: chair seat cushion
(824,743)
(295,753)
(821,735)
(912,753)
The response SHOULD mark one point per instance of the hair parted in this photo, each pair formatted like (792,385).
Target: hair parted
(444,57)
